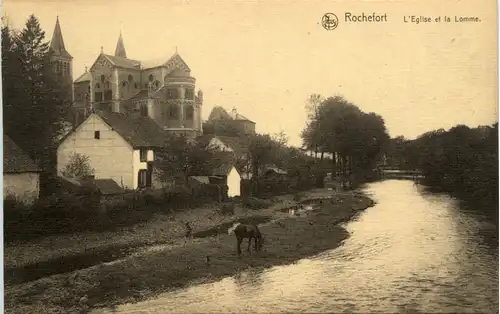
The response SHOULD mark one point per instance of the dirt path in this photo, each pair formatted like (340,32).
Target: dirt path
(162,268)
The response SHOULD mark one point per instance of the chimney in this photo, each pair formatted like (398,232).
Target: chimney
(200,95)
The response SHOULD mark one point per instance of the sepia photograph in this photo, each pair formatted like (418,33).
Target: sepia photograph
(189,156)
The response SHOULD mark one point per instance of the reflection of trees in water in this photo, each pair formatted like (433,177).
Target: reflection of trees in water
(248,280)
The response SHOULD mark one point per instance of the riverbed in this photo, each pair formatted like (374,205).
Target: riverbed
(412,252)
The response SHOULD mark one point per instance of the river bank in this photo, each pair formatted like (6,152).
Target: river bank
(166,267)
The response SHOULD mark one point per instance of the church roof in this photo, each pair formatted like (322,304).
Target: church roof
(57,42)
(15,160)
(85,77)
(175,61)
(120,48)
(123,62)
(138,131)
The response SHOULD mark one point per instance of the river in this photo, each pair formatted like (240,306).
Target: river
(412,252)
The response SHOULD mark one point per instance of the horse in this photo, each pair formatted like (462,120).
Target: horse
(243,231)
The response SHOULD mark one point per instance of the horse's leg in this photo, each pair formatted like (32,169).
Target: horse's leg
(249,243)
(239,240)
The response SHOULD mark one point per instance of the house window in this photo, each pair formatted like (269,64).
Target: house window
(144,155)
(130,78)
(98,96)
(136,85)
(97,85)
(103,78)
(151,78)
(144,110)
(142,178)
(97,135)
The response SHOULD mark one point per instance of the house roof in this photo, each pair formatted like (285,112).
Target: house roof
(139,131)
(218,110)
(238,144)
(108,186)
(222,164)
(201,179)
(15,160)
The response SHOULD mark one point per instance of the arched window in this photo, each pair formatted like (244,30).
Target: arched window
(173,112)
(189,94)
(189,112)
(130,78)
(172,93)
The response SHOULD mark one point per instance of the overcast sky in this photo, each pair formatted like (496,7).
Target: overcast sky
(266,57)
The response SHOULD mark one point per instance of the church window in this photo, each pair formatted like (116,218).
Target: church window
(108,95)
(130,78)
(151,77)
(189,94)
(189,112)
(173,112)
(172,93)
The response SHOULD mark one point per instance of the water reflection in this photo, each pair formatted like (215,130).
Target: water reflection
(412,252)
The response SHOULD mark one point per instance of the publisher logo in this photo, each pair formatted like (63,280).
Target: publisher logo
(329,21)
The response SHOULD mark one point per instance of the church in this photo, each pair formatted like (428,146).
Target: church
(163,91)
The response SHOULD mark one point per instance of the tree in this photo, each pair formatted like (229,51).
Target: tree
(353,137)
(33,105)
(181,158)
(78,167)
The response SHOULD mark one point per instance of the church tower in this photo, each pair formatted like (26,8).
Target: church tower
(120,48)
(62,61)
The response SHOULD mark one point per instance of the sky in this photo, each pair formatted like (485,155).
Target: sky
(266,57)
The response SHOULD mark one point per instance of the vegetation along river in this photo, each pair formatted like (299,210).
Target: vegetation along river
(413,252)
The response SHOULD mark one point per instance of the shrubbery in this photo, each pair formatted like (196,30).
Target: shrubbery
(87,211)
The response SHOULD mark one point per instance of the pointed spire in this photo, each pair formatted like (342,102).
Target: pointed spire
(57,42)
(120,47)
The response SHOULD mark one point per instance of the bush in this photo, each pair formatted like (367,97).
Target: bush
(255,203)
(227,209)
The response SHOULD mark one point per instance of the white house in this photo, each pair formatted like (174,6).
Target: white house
(21,177)
(119,147)
(226,168)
